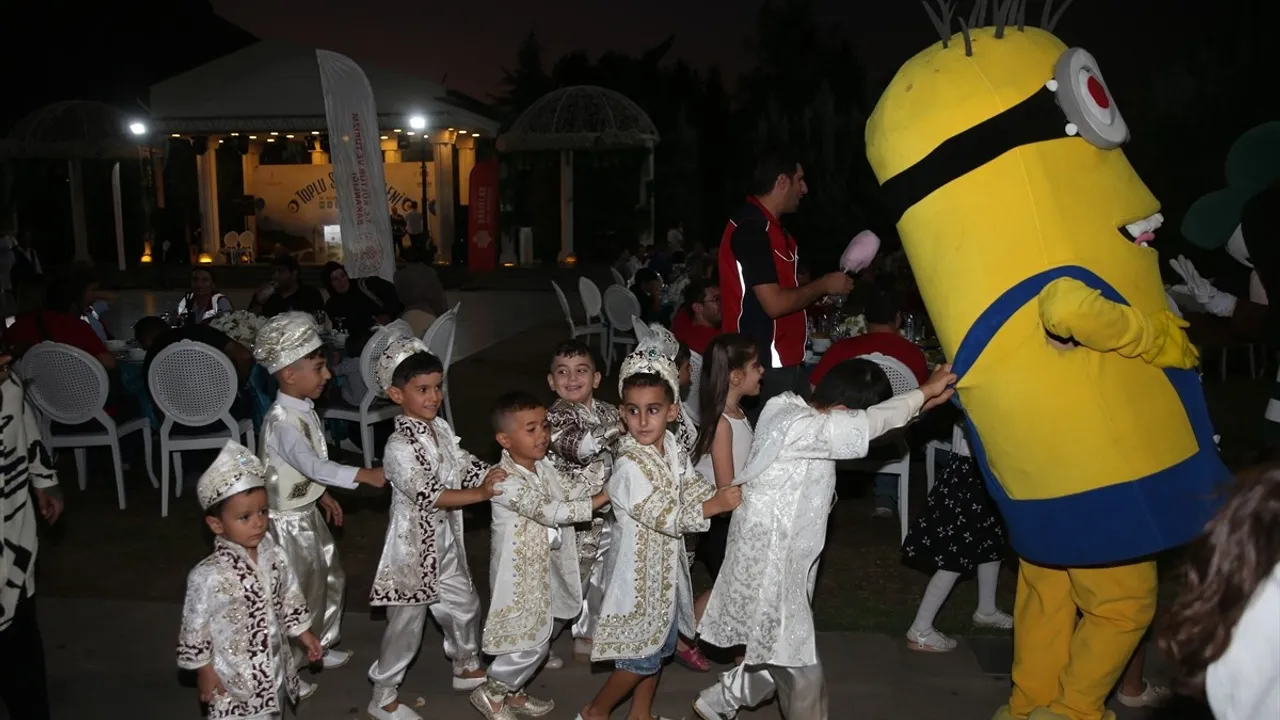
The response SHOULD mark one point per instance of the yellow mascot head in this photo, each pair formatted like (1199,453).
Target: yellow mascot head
(998,152)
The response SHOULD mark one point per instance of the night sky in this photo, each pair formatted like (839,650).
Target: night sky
(111,51)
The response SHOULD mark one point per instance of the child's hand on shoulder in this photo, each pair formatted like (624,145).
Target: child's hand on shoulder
(209,684)
(315,650)
(939,387)
(492,485)
(373,477)
(600,499)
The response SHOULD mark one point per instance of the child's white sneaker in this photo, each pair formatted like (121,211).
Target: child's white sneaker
(998,620)
(703,710)
(402,712)
(334,659)
(1152,696)
(929,641)
(462,684)
(554,662)
(305,689)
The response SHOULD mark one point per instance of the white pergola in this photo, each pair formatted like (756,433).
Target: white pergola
(273,87)
(583,117)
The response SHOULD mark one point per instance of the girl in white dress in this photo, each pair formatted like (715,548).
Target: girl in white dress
(731,370)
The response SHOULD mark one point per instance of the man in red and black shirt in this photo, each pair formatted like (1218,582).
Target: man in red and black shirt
(759,295)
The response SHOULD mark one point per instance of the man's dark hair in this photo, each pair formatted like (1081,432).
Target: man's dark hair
(67,291)
(575,348)
(287,262)
(696,292)
(148,329)
(856,384)
(422,363)
(648,380)
(645,275)
(879,307)
(509,404)
(771,164)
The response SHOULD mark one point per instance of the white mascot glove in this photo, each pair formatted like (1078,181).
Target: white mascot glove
(1214,300)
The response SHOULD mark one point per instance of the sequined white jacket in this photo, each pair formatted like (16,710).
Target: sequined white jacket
(239,615)
(421,461)
(533,561)
(763,594)
(657,498)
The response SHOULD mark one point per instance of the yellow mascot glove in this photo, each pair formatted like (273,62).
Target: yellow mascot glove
(1071,309)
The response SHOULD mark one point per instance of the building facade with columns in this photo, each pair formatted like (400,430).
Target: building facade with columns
(265,102)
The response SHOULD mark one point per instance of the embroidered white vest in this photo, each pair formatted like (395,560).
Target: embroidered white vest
(288,489)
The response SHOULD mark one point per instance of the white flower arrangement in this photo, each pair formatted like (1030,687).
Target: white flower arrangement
(239,325)
(851,326)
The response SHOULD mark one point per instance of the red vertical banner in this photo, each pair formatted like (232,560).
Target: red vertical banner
(482,253)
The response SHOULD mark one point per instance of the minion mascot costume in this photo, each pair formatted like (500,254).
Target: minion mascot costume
(1028,231)
(1243,218)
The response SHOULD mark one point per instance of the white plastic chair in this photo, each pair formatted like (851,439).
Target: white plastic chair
(248,244)
(592,305)
(194,385)
(620,306)
(617,276)
(901,380)
(373,408)
(439,340)
(577,331)
(69,386)
(931,449)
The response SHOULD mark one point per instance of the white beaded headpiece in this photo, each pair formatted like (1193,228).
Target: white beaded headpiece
(656,353)
(286,339)
(397,351)
(235,470)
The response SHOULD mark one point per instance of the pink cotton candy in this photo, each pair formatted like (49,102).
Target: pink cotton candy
(861,251)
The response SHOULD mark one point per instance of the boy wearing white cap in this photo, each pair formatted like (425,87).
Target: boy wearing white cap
(293,444)
(243,602)
(423,569)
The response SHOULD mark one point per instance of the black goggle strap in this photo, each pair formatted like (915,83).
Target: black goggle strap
(1036,119)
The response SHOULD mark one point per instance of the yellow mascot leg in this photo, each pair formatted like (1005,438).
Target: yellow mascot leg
(1043,619)
(1116,606)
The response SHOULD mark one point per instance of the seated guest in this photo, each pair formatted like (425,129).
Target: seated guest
(204,301)
(883,321)
(350,380)
(358,304)
(284,292)
(647,287)
(698,320)
(62,320)
(419,288)
(154,335)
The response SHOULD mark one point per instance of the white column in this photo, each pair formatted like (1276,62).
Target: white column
(79,224)
(212,225)
(566,205)
(248,168)
(466,162)
(442,155)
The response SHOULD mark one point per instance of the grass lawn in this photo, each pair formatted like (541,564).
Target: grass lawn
(99,551)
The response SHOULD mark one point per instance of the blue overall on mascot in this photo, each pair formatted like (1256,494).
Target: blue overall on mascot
(998,149)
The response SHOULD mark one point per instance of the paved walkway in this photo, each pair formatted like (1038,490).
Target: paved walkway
(115,659)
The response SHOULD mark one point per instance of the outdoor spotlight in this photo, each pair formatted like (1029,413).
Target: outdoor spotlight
(417,122)
(137,128)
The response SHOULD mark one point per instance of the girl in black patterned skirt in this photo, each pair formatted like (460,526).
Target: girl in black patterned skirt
(958,532)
